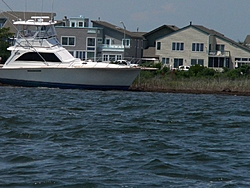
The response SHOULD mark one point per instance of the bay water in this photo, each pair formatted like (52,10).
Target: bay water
(79,138)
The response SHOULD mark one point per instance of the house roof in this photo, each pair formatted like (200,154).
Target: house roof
(207,30)
(247,40)
(212,32)
(119,29)
(219,35)
(171,27)
(13,15)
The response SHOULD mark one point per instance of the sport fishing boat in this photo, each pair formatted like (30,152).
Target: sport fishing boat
(38,60)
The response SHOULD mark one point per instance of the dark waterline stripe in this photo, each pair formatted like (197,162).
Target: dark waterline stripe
(25,83)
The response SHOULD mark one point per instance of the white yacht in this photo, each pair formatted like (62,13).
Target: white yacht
(38,60)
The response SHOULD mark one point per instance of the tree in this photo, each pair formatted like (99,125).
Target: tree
(5,36)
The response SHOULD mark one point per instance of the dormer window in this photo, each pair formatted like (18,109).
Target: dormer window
(73,24)
(80,24)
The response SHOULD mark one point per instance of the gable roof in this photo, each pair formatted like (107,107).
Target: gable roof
(171,27)
(221,36)
(119,29)
(208,31)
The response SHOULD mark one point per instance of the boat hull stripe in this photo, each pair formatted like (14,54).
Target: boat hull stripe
(26,83)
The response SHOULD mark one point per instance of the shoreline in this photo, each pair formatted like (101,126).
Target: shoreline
(191,91)
(183,91)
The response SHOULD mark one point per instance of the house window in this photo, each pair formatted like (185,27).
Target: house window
(91,44)
(218,62)
(90,41)
(197,47)
(242,61)
(105,57)
(165,60)
(177,46)
(68,41)
(158,45)
(80,24)
(220,47)
(112,58)
(73,24)
(197,61)
(90,55)
(99,40)
(127,43)
(108,41)
(178,62)
(80,54)
(118,57)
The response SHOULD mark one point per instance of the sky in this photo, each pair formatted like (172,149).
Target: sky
(229,17)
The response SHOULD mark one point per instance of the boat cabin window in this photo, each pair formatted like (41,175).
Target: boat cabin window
(40,32)
(34,56)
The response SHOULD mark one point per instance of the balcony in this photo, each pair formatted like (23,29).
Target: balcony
(113,48)
(219,53)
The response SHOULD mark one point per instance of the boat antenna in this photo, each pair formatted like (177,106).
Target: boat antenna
(25,9)
(42,8)
(52,17)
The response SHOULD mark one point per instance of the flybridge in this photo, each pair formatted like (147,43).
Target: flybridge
(35,20)
(36,28)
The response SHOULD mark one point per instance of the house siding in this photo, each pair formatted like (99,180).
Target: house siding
(187,37)
(81,35)
(235,51)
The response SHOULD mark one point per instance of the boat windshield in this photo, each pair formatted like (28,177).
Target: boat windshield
(40,32)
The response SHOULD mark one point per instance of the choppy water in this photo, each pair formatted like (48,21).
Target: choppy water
(75,138)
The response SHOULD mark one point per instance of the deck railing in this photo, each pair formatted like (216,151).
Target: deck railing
(219,53)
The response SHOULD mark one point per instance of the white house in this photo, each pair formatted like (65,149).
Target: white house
(196,44)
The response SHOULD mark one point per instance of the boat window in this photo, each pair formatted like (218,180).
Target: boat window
(46,31)
(27,31)
(37,31)
(34,56)
(53,41)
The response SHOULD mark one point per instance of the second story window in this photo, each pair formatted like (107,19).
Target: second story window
(68,41)
(158,46)
(91,43)
(126,43)
(197,47)
(99,40)
(220,47)
(177,46)
(108,41)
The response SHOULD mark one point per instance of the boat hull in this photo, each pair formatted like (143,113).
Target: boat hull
(70,78)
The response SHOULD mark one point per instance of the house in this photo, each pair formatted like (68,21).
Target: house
(101,42)
(150,38)
(78,38)
(196,44)
(119,43)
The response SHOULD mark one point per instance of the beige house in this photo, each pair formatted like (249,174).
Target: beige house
(195,44)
